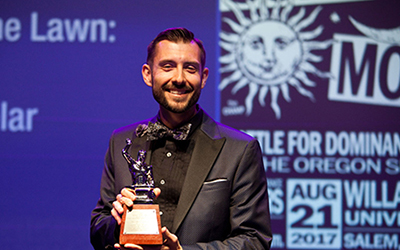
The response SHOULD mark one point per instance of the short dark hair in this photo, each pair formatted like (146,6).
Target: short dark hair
(175,35)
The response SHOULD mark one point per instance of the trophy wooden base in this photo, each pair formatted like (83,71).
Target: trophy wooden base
(141,225)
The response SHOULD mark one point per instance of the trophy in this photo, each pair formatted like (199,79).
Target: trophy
(141,224)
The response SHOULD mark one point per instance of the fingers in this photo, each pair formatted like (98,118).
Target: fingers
(156,192)
(126,197)
(137,247)
(170,240)
(118,204)
(116,214)
(127,246)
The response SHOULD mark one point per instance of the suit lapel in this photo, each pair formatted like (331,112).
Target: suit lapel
(204,155)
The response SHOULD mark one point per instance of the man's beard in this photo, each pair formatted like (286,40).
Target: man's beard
(159,96)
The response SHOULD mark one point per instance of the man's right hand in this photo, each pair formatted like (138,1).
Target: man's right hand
(126,197)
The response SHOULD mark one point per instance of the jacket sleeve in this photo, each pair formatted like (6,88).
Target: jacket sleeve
(103,224)
(249,206)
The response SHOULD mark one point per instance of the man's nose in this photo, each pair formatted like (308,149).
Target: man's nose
(179,77)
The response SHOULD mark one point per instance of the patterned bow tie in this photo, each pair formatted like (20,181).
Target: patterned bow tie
(158,130)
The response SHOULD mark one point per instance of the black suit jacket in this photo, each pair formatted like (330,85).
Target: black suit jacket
(224,199)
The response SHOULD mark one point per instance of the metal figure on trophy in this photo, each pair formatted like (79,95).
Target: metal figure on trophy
(142,175)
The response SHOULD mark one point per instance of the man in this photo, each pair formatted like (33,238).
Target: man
(213,186)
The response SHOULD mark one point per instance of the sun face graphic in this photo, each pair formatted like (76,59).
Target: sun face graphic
(270,51)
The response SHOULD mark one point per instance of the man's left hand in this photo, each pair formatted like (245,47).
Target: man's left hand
(171,242)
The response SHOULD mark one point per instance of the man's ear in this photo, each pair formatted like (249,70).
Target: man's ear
(204,77)
(146,74)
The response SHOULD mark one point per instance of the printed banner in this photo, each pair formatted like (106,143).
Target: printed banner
(318,84)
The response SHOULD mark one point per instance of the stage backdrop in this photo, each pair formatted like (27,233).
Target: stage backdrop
(317,82)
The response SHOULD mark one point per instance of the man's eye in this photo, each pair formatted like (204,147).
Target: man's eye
(167,66)
(191,69)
